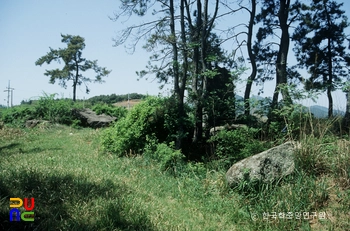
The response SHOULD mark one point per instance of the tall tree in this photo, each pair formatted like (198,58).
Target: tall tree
(319,46)
(200,30)
(180,41)
(346,89)
(246,41)
(253,74)
(74,64)
(166,41)
(346,119)
(277,15)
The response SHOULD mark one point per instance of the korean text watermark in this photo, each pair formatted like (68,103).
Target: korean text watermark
(289,215)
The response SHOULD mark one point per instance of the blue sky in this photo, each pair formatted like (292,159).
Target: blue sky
(29,27)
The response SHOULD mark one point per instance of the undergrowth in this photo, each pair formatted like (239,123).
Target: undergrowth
(78,185)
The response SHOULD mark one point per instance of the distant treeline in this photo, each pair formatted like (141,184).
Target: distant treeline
(108,99)
(113,98)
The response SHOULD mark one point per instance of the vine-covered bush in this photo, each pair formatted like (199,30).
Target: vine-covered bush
(232,146)
(16,116)
(55,110)
(154,117)
(111,110)
(46,108)
(170,160)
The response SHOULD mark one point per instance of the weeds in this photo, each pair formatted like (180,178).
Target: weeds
(78,187)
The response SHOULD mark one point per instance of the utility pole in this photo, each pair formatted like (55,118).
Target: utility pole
(128,102)
(9,89)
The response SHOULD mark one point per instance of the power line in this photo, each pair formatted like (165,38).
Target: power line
(9,91)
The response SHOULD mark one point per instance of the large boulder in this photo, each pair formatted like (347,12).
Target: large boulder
(267,166)
(89,118)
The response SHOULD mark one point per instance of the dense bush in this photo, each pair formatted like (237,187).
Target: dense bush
(46,108)
(55,110)
(232,146)
(110,110)
(113,98)
(17,115)
(155,117)
(170,160)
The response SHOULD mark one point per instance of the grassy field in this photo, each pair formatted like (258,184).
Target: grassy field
(78,187)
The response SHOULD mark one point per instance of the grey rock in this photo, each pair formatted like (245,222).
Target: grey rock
(89,118)
(34,123)
(267,166)
(216,129)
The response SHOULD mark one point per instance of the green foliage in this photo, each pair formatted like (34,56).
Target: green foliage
(54,110)
(46,108)
(154,117)
(171,119)
(113,98)
(118,112)
(321,46)
(131,193)
(74,64)
(170,160)
(220,102)
(76,123)
(289,122)
(129,133)
(232,146)
(23,102)
(17,115)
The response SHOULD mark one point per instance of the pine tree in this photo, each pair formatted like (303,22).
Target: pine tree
(74,64)
(319,46)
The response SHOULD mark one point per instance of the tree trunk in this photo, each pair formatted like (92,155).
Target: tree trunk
(330,101)
(203,56)
(181,85)
(346,119)
(281,62)
(330,65)
(177,92)
(198,130)
(347,112)
(75,82)
(252,76)
(174,48)
(275,94)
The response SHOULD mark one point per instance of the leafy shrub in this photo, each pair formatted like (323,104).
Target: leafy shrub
(290,121)
(17,115)
(46,108)
(113,98)
(232,146)
(110,110)
(171,120)
(57,111)
(76,123)
(197,169)
(129,133)
(169,159)
(153,117)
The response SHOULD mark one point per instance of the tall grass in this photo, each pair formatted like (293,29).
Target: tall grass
(78,187)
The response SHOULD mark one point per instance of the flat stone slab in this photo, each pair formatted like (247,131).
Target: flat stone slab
(89,118)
